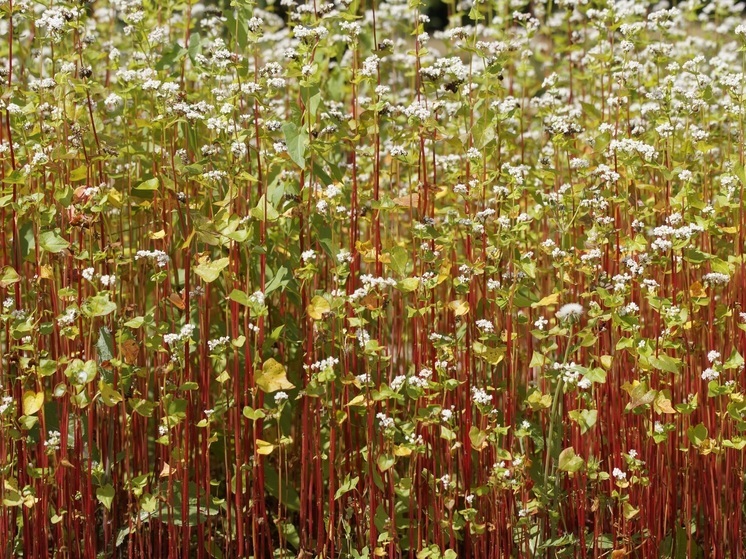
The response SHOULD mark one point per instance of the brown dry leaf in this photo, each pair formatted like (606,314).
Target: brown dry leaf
(409,201)
(177,301)
(130,350)
(370,301)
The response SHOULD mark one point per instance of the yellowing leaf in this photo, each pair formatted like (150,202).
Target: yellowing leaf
(358,400)
(696,290)
(210,271)
(402,451)
(273,377)
(459,307)
(546,301)
(109,396)
(263,447)
(662,404)
(318,307)
(166,471)
(32,402)
(408,201)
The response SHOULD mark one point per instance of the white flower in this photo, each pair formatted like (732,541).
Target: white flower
(715,278)
(161,258)
(280,396)
(710,374)
(308,255)
(257,297)
(480,396)
(485,326)
(619,474)
(569,311)
(88,274)
(384,421)
(398,382)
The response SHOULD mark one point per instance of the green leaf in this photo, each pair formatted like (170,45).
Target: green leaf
(210,271)
(9,277)
(585,418)
(385,462)
(277,281)
(195,45)
(399,260)
(264,211)
(697,434)
(240,297)
(665,363)
(52,242)
(347,485)
(148,185)
(105,345)
(27,240)
(569,461)
(98,305)
(136,322)
(735,361)
(409,284)
(105,495)
(252,414)
(296,140)
(79,173)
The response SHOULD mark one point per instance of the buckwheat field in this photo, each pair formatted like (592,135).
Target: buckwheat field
(369,278)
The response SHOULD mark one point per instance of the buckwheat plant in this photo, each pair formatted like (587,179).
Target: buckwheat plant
(323,279)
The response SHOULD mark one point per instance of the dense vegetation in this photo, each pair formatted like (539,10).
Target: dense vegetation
(327,285)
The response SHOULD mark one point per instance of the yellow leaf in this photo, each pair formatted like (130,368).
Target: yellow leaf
(263,447)
(358,400)
(459,307)
(32,402)
(606,361)
(166,471)
(318,307)
(696,290)
(273,377)
(546,301)
(109,396)
(661,404)
(402,451)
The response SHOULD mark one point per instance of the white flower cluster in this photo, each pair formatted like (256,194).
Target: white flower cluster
(480,396)
(212,345)
(569,311)
(185,333)
(384,421)
(161,258)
